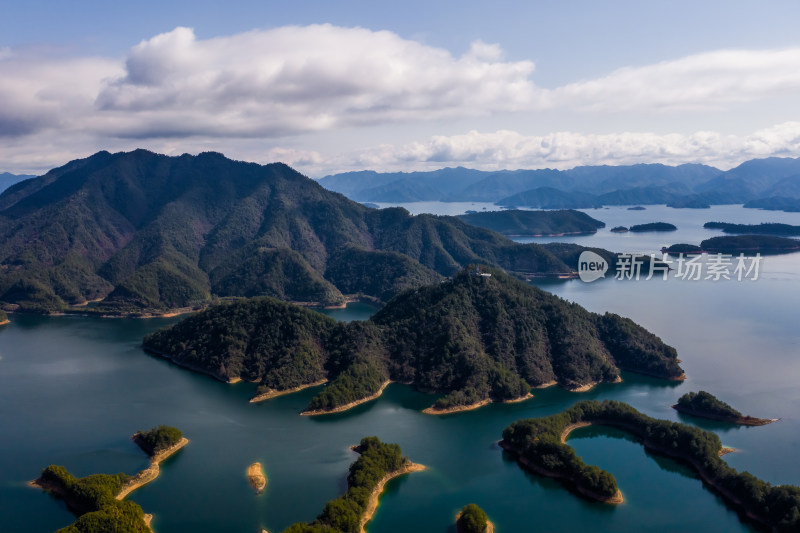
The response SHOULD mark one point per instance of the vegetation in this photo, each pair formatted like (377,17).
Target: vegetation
(619,229)
(145,233)
(538,442)
(344,514)
(706,405)
(472,519)
(516,222)
(158,439)
(653,226)
(775,203)
(771,228)
(472,338)
(682,249)
(92,499)
(750,244)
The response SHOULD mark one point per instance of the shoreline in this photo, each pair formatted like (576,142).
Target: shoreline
(347,406)
(272,393)
(744,420)
(151,472)
(589,386)
(374,496)
(615,499)
(4,322)
(471,407)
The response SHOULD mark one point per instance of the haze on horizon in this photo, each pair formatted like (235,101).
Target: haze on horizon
(330,87)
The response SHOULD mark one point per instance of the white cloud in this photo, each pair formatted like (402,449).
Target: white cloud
(512,150)
(712,80)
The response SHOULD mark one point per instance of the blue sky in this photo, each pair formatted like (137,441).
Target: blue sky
(332,86)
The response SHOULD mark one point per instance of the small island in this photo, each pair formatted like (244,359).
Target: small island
(739,244)
(256,477)
(653,226)
(706,405)
(767,228)
(637,208)
(378,464)
(619,229)
(539,444)
(98,500)
(473,519)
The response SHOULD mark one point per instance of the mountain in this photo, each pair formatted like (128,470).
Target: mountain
(462,185)
(482,335)
(144,233)
(550,198)
(754,179)
(517,222)
(7,179)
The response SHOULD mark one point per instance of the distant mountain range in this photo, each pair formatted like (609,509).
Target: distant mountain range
(772,183)
(142,233)
(7,180)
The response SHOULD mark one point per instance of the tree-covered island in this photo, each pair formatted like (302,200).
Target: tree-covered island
(706,405)
(378,464)
(482,336)
(473,519)
(540,445)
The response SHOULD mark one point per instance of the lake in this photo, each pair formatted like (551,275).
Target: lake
(73,390)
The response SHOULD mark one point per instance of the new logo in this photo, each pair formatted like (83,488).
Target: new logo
(591,266)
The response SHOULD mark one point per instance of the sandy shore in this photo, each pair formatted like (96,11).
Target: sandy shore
(275,393)
(4,322)
(345,407)
(372,504)
(255,474)
(151,472)
(461,408)
(593,384)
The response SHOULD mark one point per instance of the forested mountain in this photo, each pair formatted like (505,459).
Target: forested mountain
(772,183)
(474,337)
(145,232)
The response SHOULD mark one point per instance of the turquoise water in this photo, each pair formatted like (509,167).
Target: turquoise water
(72,391)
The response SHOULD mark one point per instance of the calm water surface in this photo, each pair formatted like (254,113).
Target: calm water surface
(72,391)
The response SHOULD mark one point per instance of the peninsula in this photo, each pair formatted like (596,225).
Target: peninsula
(378,464)
(98,500)
(706,405)
(540,445)
(482,336)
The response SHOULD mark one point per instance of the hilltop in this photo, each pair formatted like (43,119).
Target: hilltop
(473,338)
(143,233)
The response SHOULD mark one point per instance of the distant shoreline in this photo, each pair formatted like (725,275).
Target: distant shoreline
(347,406)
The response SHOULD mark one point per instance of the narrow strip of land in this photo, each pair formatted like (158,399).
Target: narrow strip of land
(272,393)
(347,406)
(374,497)
(151,472)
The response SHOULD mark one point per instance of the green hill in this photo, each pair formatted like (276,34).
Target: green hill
(519,222)
(472,338)
(143,233)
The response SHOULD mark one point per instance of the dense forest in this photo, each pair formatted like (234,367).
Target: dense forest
(141,233)
(766,228)
(472,519)
(538,442)
(519,222)
(158,439)
(473,337)
(344,514)
(653,226)
(707,405)
(92,499)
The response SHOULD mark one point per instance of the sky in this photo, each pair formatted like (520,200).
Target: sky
(339,86)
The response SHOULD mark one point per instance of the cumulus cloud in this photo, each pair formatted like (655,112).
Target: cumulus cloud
(256,94)
(512,150)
